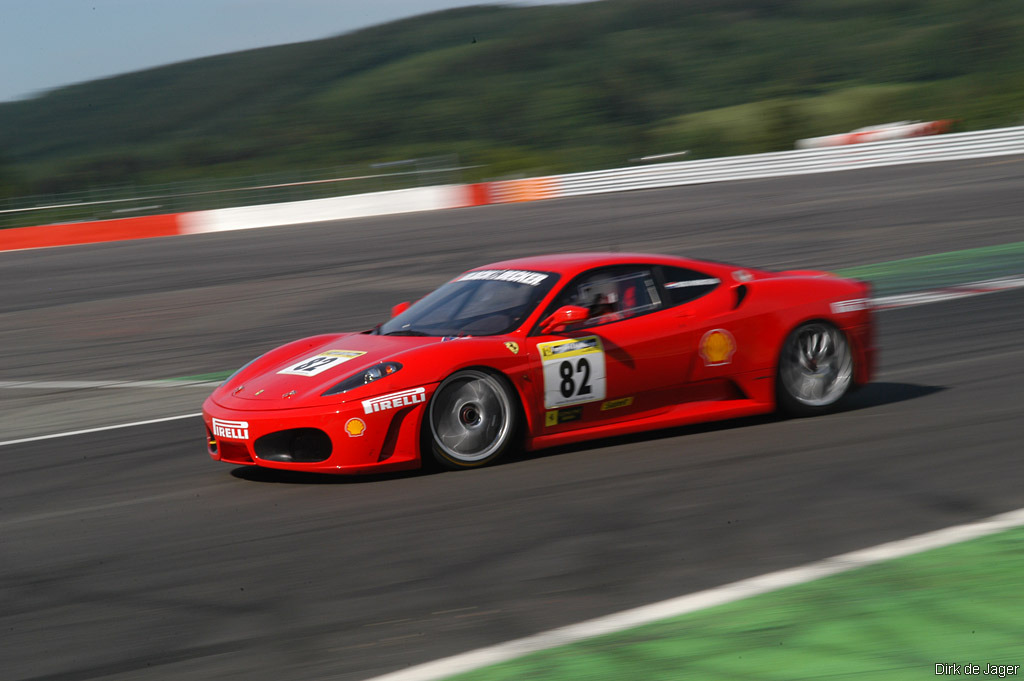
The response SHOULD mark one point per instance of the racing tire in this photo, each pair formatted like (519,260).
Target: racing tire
(472,420)
(815,370)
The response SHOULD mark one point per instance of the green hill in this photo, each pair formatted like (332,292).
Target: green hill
(532,89)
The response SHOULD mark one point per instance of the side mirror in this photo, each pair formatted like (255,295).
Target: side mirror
(400,308)
(562,317)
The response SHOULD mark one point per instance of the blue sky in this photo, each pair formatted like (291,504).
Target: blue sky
(48,43)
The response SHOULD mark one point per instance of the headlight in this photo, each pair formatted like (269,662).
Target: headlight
(374,373)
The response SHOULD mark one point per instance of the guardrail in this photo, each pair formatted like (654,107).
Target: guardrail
(950,147)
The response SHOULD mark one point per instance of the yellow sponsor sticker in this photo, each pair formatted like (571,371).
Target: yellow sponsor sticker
(560,416)
(617,404)
(717,347)
(349,354)
(570,347)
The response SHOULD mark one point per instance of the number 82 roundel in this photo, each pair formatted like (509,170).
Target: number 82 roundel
(574,371)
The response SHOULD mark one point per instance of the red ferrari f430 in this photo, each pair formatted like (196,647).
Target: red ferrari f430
(545,351)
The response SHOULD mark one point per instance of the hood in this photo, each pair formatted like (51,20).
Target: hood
(293,375)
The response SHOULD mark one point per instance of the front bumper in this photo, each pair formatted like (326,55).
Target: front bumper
(323,439)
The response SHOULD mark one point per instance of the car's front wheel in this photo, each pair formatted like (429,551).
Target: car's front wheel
(472,418)
(815,369)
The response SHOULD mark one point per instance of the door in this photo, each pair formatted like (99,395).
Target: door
(716,327)
(625,358)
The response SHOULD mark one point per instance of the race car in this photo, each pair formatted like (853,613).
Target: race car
(544,351)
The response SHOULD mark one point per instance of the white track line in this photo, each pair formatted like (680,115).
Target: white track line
(940,295)
(97,430)
(628,619)
(85,385)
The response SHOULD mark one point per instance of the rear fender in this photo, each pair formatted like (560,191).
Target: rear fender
(785,302)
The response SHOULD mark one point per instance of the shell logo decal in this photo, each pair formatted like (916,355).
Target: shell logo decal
(355,427)
(717,347)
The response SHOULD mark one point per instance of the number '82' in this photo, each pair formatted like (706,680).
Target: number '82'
(568,373)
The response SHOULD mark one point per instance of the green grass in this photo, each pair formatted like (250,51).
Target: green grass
(941,269)
(960,604)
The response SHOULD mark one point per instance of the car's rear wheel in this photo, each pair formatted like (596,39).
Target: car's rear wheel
(472,417)
(815,369)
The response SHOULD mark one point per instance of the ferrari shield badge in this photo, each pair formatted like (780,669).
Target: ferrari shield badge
(513,347)
(717,347)
(560,416)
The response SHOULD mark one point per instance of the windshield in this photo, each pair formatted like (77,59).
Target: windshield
(478,303)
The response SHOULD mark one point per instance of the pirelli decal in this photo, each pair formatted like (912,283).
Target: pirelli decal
(231,430)
(404,398)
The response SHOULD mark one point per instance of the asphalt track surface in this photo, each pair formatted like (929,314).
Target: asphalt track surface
(127,554)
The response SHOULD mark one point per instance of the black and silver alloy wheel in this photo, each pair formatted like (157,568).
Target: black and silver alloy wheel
(472,419)
(815,368)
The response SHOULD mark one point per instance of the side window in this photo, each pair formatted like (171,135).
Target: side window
(611,294)
(683,285)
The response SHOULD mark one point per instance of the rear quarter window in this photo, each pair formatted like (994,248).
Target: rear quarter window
(683,285)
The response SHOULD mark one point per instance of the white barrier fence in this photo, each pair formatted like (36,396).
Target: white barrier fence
(951,147)
(873,154)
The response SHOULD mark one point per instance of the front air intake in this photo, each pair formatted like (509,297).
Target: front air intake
(305,445)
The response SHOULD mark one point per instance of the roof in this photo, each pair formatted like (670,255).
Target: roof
(571,263)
